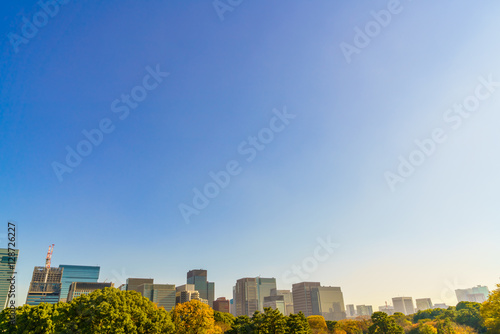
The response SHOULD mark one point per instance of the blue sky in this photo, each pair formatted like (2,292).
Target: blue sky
(322,175)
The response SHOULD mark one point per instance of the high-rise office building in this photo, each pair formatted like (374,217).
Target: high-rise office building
(423,304)
(7,269)
(198,277)
(71,273)
(250,292)
(77,289)
(133,284)
(221,304)
(328,301)
(287,297)
(185,293)
(45,286)
(403,305)
(364,310)
(275,302)
(478,294)
(387,309)
(350,311)
(162,295)
(301,293)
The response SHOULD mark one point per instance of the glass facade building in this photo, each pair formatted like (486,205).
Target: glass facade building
(7,269)
(328,301)
(198,277)
(71,273)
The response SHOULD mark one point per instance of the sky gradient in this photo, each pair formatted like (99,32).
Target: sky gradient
(322,175)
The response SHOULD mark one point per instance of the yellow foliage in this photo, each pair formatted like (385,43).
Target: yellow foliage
(194,317)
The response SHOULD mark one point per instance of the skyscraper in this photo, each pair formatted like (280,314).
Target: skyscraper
(7,269)
(287,297)
(478,294)
(364,310)
(302,297)
(187,292)
(328,301)
(250,292)
(72,273)
(403,305)
(198,277)
(134,283)
(162,295)
(45,286)
(275,302)
(77,289)
(350,311)
(221,304)
(423,304)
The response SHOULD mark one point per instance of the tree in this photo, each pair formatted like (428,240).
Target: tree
(241,325)
(298,324)
(468,314)
(317,324)
(194,317)
(490,311)
(224,320)
(113,311)
(109,311)
(383,324)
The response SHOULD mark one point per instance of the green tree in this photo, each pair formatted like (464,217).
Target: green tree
(224,320)
(468,314)
(383,324)
(241,325)
(113,311)
(297,324)
(109,311)
(490,311)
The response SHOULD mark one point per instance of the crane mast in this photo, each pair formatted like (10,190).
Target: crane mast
(47,262)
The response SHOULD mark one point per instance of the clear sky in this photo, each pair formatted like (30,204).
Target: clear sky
(319,171)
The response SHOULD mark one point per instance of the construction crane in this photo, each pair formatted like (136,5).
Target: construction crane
(47,262)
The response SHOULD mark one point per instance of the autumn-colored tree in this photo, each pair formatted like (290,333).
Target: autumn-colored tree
(317,324)
(194,317)
(490,311)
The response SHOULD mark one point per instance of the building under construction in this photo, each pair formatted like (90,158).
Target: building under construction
(45,286)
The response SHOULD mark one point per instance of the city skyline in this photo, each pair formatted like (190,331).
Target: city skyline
(324,142)
(84,273)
